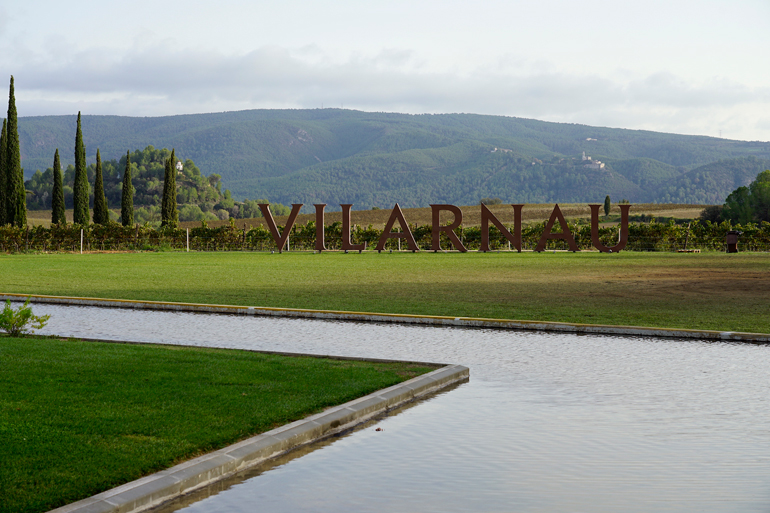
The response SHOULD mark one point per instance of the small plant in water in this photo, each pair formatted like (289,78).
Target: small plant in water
(21,321)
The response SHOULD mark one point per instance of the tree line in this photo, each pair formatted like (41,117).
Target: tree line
(150,185)
(81,190)
(745,204)
(651,236)
(13,194)
(198,197)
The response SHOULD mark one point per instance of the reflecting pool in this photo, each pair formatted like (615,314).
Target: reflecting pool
(548,422)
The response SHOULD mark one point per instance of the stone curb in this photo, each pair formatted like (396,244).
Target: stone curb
(153,490)
(435,320)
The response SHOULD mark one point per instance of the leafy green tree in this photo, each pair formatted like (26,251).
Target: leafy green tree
(737,206)
(57,194)
(191,213)
(3,178)
(169,213)
(712,213)
(147,180)
(760,196)
(101,214)
(16,197)
(80,189)
(607,205)
(127,199)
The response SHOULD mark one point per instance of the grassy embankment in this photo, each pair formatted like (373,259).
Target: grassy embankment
(77,418)
(698,291)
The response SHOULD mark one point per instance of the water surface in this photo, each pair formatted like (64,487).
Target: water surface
(547,423)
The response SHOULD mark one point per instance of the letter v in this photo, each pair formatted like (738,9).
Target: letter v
(280,238)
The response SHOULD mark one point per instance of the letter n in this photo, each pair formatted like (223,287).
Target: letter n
(564,235)
(623,229)
(487,216)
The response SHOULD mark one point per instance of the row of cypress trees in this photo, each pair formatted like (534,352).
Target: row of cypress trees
(81,191)
(81,188)
(13,197)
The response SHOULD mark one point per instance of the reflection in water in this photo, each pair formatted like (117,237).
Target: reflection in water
(548,422)
(226,484)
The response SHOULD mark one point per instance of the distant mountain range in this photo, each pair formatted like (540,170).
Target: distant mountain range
(376,159)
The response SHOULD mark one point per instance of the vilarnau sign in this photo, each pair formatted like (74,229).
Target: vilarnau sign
(486,217)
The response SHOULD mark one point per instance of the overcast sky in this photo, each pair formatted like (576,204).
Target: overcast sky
(690,67)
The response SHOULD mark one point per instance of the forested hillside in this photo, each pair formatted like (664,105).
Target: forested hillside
(200,197)
(376,159)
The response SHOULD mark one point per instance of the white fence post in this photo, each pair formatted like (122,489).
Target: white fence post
(188,240)
(81,241)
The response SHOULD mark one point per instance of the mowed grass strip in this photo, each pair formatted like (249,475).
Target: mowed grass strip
(78,418)
(714,291)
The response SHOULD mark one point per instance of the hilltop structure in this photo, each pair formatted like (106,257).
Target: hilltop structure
(589,163)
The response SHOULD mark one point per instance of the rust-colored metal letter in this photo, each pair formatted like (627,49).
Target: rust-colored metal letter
(623,229)
(319,226)
(487,216)
(406,233)
(280,239)
(346,244)
(564,235)
(436,229)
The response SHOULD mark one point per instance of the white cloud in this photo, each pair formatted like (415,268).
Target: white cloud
(154,77)
(4,18)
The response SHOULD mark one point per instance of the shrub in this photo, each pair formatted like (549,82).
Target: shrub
(712,213)
(21,321)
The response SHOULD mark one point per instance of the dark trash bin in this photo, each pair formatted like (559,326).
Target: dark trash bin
(732,241)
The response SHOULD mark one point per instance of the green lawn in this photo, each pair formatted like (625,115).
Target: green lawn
(704,291)
(77,418)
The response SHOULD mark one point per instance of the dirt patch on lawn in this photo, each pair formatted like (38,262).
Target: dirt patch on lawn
(696,282)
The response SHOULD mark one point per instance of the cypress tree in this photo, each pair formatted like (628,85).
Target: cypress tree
(127,198)
(80,190)
(101,214)
(173,213)
(57,195)
(607,205)
(16,195)
(164,201)
(3,179)
(169,214)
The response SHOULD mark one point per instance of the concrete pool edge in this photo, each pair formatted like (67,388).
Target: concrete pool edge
(156,489)
(435,320)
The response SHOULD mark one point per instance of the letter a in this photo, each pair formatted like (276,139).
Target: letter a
(564,235)
(405,234)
